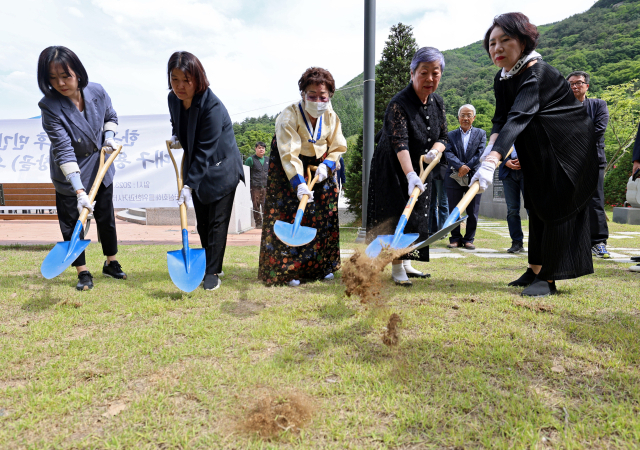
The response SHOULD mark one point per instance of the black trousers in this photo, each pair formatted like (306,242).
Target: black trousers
(455,194)
(213,225)
(67,206)
(597,216)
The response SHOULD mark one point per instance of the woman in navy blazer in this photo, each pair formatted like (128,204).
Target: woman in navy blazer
(79,120)
(212,163)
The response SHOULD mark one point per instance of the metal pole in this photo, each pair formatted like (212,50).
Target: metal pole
(369,106)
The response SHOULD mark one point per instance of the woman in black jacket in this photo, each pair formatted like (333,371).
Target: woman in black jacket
(212,164)
(536,111)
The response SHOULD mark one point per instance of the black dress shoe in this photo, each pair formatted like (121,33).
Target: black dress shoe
(525,280)
(516,247)
(405,283)
(540,288)
(211,282)
(418,275)
(113,270)
(635,258)
(85,281)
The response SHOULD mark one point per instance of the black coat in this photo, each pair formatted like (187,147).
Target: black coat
(212,161)
(599,113)
(408,125)
(636,146)
(458,157)
(555,139)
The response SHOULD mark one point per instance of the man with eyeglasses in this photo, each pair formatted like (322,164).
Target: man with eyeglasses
(599,113)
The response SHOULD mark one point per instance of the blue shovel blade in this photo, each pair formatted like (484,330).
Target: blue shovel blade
(386,241)
(63,254)
(187,273)
(293,237)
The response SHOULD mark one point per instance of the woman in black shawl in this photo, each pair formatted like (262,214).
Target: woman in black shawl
(536,111)
(415,123)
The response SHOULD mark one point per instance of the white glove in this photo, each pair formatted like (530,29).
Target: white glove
(303,189)
(175,143)
(431,155)
(414,181)
(83,202)
(484,175)
(321,171)
(110,145)
(185,196)
(486,152)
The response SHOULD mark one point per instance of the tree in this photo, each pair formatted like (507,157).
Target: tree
(393,70)
(353,172)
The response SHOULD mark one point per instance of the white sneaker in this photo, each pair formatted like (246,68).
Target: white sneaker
(635,268)
(221,274)
(329,277)
(294,283)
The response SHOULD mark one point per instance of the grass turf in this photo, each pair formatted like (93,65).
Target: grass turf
(138,364)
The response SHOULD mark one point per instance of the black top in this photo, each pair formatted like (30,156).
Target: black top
(408,125)
(554,136)
(213,166)
(636,146)
(599,113)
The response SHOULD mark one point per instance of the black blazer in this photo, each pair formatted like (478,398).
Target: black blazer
(636,146)
(599,113)
(213,163)
(458,157)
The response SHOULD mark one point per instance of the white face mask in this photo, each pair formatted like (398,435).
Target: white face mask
(316,109)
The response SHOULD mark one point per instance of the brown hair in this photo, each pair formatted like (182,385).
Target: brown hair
(317,75)
(515,25)
(191,67)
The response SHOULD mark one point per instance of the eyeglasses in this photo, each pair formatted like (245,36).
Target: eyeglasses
(466,116)
(577,84)
(316,98)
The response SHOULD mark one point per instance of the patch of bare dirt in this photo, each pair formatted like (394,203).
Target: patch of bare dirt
(536,306)
(273,414)
(390,337)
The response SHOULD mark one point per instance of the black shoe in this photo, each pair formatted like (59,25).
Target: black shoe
(211,282)
(113,270)
(516,247)
(635,258)
(85,281)
(540,288)
(406,283)
(469,246)
(525,280)
(418,275)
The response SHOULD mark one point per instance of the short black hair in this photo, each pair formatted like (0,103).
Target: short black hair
(580,73)
(260,144)
(515,25)
(191,66)
(68,60)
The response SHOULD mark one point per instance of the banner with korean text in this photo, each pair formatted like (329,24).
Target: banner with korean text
(145,177)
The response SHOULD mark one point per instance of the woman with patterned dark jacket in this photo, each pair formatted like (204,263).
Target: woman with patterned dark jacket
(415,124)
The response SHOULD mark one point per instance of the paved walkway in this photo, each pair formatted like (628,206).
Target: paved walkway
(48,232)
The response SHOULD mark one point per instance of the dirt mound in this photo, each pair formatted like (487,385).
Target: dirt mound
(275,413)
(361,274)
(390,337)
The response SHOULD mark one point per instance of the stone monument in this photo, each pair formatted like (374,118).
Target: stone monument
(630,215)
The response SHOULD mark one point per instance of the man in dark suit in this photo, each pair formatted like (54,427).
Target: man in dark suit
(599,113)
(636,167)
(463,153)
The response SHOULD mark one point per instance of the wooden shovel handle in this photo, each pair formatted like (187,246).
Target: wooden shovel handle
(473,190)
(424,173)
(102,171)
(305,198)
(183,207)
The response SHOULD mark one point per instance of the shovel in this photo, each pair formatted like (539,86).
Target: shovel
(454,218)
(293,234)
(186,266)
(64,253)
(399,240)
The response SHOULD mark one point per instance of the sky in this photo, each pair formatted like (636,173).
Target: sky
(253,51)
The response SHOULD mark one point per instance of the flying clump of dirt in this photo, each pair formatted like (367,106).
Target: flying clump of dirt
(361,274)
(273,414)
(390,337)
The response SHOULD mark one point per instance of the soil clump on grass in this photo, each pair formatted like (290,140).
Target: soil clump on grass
(361,274)
(390,337)
(273,414)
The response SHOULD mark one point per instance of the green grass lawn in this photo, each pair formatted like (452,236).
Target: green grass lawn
(138,364)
